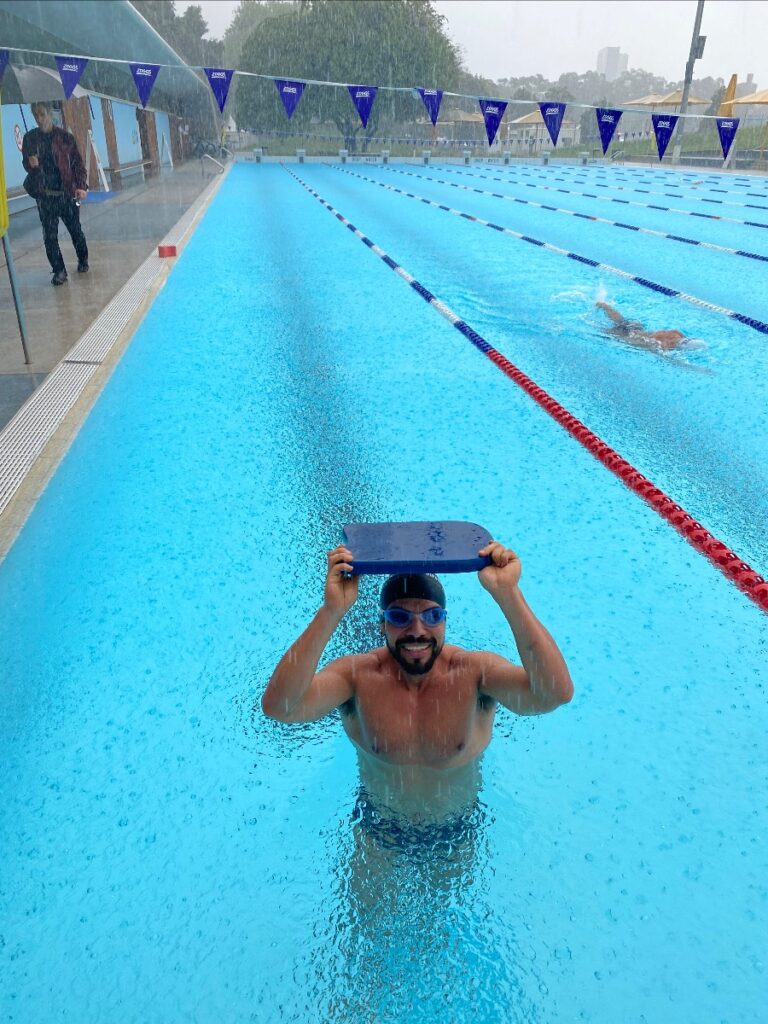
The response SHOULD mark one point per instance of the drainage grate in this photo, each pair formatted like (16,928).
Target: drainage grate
(32,427)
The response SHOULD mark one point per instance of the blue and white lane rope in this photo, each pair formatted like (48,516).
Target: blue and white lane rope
(718,553)
(604,199)
(588,216)
(757,325)
(671,195)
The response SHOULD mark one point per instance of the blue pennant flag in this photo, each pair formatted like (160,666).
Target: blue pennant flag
(663,126)
(70,72)
(727,128)
(290,94)
(144,76)
(607,123)
(552,115)
(493,111)
(432,99)
(3,63)
(363,97)
(219,80)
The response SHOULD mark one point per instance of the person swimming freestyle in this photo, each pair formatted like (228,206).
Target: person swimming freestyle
(417,701)
(634,333)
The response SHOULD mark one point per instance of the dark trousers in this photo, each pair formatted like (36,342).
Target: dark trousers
(51,208)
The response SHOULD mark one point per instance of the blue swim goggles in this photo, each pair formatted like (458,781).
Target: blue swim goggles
(401,617)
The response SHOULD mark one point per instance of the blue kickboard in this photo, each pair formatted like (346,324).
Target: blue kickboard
(386,548)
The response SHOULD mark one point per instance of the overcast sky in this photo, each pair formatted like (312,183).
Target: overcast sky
(509,38)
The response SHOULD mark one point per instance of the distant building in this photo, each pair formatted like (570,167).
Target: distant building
(748,87)
(611,62)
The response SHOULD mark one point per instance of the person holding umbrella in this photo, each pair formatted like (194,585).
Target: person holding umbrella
(57,180)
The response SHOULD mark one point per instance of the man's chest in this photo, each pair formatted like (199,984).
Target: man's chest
(433,724)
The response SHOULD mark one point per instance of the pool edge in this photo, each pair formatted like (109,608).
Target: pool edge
(39,435)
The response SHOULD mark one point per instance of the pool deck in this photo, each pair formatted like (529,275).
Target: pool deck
(47,402)
(121,234)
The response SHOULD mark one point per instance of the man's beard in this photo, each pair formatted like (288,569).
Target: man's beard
(412,667)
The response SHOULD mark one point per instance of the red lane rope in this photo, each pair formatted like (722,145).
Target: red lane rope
(698,536)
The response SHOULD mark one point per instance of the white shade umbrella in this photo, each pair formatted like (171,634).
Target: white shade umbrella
(28,83)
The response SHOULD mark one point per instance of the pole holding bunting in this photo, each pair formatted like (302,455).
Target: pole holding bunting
(219,80)
(493,112)
(663,127)
(70,72)
(363,97)
(290,94)
(144,76)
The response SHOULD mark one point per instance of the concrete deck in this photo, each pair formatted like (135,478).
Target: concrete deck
(121,233)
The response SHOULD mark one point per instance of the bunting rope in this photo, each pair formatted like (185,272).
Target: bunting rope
(71,69)
(718,553)
(603,199)
(757,325)
(585,216)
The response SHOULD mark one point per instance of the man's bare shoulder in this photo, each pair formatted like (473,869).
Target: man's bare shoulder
(356,666)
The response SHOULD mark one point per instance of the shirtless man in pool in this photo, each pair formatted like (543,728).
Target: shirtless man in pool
(419,711)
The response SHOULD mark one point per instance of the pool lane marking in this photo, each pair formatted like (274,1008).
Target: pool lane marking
(670,179)
(756,325)
(640,191)
(728,562)
(583,216)
(582,178)
(602,199)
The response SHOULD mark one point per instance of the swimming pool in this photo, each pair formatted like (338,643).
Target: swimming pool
(169,854)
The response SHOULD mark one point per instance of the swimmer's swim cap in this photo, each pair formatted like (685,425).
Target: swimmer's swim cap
(420,586)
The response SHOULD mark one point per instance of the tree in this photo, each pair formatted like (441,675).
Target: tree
(246,19)
(184,34)
(373,43)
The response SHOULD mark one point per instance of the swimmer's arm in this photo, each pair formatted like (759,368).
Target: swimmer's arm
(543,682)
(610,312)
(297,692)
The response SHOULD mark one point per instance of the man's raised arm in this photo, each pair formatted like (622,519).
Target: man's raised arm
(296,692)
(543,683)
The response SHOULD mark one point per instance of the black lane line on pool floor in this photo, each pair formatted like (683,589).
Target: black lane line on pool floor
(608,199)
(728,562)
(691,182)
(584,216)
(756,325)
(648,192)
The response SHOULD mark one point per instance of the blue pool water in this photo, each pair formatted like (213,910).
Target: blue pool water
(170,855)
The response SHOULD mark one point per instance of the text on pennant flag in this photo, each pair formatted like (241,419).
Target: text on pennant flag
(726,129)
(552,115)
(493,111)
(70,72)
(219,80)
(432,99)
(144,76)
(607,123)
(290,94)
(363,97)
(663,126)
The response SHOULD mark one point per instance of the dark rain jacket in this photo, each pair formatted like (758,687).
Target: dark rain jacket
(65,153)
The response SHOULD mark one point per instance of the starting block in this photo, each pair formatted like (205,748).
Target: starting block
(436,547)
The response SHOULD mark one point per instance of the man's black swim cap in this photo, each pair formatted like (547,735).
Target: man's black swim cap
(420,586)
